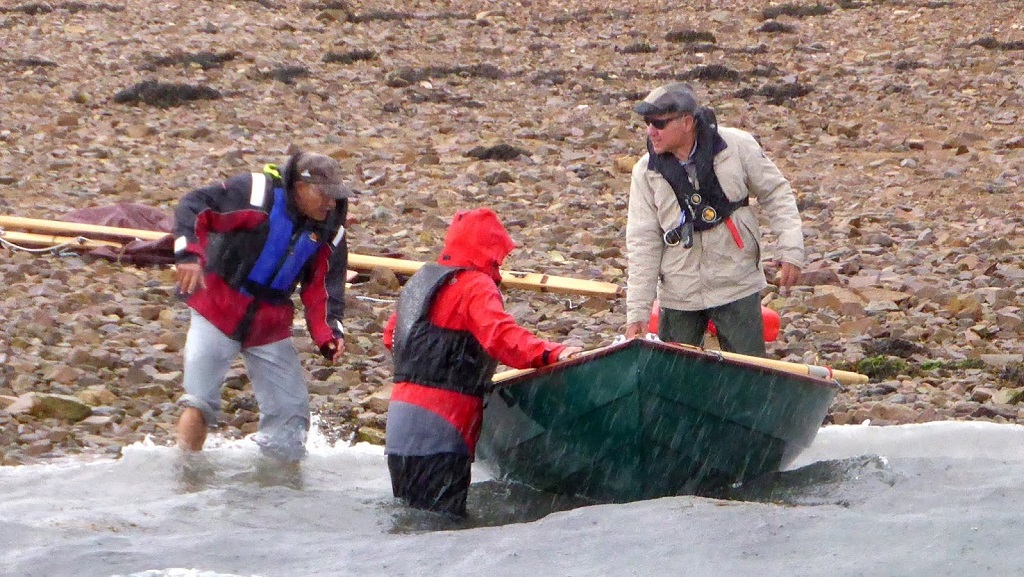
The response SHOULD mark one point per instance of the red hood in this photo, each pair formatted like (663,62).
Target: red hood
(476,239)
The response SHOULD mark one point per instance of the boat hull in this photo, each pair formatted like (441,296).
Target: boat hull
(644,419)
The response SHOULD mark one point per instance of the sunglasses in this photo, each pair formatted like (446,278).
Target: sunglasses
(660,123)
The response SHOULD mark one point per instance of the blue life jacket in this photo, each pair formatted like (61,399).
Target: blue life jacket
(285,253)
(272,273)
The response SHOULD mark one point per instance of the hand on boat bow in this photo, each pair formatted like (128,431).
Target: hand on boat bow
(568,353)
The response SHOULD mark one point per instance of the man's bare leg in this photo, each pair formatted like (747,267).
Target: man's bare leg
(191,429)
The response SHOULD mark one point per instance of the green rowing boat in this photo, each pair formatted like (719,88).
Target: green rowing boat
(644,419)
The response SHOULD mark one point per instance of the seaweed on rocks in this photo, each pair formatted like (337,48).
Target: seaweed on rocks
(380,16)
(637,48)
(349,57)
(616,97)
(268,4)
(779,93)
(501,151)
(164,94)
(37,8)
(760,48)
(442,97)
(405,76)
(578,16)
(858,4)
(904,64)
(881,367)
(288,74)
(75,7)
(31,63)
(205,59)
(765,70)
(990,43)
(713,72)
(331,5)
(795,10)
(895,347)
(448,15)
(690,36)
(550,77)
(776,94)
(776,27)
(28,9)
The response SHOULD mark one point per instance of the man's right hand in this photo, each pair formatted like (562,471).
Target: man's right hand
(634,330)
(189,277)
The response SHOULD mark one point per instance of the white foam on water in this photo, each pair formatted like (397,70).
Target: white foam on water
(945,500)
(938,439)
(316,443)
(178,572)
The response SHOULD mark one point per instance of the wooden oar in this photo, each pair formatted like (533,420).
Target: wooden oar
(34,240)
(38,225)
(827,373)
(520,280)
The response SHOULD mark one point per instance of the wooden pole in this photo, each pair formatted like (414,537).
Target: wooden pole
(42,240)
(827,373)
(520,280)
(512,279)
(843,377)
(37,225)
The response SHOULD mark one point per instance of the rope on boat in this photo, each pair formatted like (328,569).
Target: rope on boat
(57,249)
(820,372)
(825,372)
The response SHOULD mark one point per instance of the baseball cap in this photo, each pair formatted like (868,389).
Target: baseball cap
(324,172)
(671,98)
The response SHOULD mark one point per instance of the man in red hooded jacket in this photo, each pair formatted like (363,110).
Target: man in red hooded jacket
(448,335)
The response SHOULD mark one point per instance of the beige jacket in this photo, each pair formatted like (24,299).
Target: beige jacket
(714,271)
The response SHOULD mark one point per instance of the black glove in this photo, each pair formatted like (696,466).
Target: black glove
(328,349)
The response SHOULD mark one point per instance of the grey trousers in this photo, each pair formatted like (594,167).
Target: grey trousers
(739,325)
(278,382)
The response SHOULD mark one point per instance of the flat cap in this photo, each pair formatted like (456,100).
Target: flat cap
(322,171)
(672,98)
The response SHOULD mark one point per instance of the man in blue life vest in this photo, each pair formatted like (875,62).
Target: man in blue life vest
(242,248)
(692,237)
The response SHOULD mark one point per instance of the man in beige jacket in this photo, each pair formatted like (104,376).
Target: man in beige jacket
(692,239)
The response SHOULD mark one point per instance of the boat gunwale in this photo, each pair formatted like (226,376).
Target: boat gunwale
(698,354)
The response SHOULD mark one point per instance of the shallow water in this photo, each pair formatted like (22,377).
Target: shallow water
(936,499)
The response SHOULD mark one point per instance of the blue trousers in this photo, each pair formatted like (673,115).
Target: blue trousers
(278,382)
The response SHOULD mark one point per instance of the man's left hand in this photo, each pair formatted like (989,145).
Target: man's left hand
(788,275)
(332,350)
